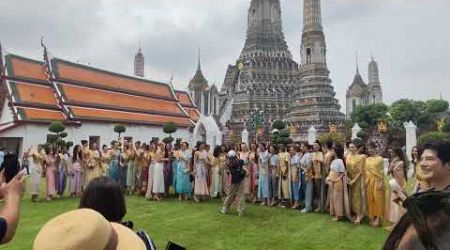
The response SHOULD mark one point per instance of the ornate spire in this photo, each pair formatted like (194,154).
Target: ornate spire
(264,30)
(357,65)
(199,68)
(139,63)
(312,17)
(374,78)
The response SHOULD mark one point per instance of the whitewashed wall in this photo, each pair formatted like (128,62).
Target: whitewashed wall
(37,134)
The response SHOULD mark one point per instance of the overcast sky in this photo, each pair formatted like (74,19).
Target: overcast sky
(410,39)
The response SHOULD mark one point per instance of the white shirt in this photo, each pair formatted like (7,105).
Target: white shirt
(337,165)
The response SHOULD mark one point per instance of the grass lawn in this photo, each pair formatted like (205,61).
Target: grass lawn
(201,226)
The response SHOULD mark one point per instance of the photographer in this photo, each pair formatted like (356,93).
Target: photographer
(235,167)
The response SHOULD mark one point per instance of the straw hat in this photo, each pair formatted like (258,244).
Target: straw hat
(127,239)
(77,229)
(84,229)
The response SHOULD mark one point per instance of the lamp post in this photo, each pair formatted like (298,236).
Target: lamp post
(256,119)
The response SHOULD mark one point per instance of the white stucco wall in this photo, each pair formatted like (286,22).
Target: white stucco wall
(37,134)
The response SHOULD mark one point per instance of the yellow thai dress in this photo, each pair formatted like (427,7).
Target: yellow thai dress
(375,187)
(283,161)
(94,166)
(355,167)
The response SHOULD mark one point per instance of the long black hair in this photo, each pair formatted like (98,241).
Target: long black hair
(76,153)
(402,156)
(216,152)
(105,196)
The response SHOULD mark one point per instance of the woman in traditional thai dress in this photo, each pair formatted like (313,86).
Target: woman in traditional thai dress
(200,185)
(215,188)
(294,164)
(244,155)
(114,164)
(151,170)
(420,184)
(37,158)
(224,173)
(105,160)
(328,158)
(144,168)
(397,184)
(167,167)
(62,172)
(355,167)
(253,158)
(158,173)
(128,159)
(183,185)
(318,178)
(307,172)
(375,186)
(284,189)
(263,169)
(337,184)
(137,163)
(273,175)
(75,171)
(51,167)
(94,168)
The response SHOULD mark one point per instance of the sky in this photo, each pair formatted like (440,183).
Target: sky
(410,39)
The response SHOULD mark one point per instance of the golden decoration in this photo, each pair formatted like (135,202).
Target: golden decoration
(382,127)
(440,124)
(292,129)
(333,128)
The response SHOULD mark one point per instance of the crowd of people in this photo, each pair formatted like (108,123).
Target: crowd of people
(346,182)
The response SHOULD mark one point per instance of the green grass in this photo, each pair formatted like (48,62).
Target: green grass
(201,226)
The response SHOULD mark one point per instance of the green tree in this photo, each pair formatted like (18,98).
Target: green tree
(368,117)
(170,128)
(58,142)
(433,136)
(337,138)
(119,129)
(279,124)
(437,106)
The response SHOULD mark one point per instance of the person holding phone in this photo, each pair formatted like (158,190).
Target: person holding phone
(11,193)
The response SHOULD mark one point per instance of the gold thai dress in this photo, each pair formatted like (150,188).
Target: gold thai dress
(375,187)
(94,166)
(284,181)
(355,167)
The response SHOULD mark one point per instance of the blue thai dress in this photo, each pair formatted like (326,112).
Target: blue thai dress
(113,170)
(263,181)
(183,183)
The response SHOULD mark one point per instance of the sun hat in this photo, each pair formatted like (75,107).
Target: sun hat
(231,153)
(127,238)
(77,229)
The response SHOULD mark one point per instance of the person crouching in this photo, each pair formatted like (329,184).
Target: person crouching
(236,190)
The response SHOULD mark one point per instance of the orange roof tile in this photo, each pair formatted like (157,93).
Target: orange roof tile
(32,93)
(184,99)
(107,98)
(193,113)
(79,73)
(108,115)
(27,68)
(41,114)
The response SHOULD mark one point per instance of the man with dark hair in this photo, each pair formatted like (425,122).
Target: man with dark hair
(435,164)
(236,190)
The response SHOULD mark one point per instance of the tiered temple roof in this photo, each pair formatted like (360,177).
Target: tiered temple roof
(71,92)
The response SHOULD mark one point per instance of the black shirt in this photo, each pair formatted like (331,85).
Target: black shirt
(3,227)
(236,169)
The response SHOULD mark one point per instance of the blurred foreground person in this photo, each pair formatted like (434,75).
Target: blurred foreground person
(11,193)
(85,229)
